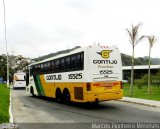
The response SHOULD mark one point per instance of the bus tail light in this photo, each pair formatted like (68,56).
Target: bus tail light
(88,86)
(118,84)
(103,84)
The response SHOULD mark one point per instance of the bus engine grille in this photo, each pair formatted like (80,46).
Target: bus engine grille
(78,93)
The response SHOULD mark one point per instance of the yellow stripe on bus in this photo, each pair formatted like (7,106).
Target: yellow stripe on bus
(47,86)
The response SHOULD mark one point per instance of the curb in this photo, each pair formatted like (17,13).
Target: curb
(144,104)
(10,109)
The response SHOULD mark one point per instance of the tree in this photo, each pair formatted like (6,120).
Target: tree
(3,67)
(134,39)
(151,40)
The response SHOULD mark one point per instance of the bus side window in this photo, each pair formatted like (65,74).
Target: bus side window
(57,65)
(62,66)
(73,62)
(82,61)
(49,67)
(52,66)
(78,61)
(67,63)
(46,67)
(38,69)
(42,70)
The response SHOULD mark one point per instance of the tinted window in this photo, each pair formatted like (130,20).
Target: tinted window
(56,65)
(65,64)
(73,62)
(62,66)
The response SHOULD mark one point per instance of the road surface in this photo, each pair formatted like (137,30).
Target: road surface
(28,109)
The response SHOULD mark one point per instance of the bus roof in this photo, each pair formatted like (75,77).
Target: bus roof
(59,56)
(79,49)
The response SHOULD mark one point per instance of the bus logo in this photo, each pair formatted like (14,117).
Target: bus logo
(105,53)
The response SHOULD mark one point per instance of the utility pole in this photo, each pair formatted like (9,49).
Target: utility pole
(7,70)
(6,44)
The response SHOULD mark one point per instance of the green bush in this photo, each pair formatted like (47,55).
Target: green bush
(141,82)
(155,80)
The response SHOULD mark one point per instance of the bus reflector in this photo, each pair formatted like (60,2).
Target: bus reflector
(103,84)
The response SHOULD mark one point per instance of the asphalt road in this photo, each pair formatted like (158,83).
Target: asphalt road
(27,109)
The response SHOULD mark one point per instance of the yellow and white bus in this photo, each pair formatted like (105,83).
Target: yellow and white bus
(89,74)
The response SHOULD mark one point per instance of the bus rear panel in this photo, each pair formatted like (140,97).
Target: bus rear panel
(104,73)
(19,80)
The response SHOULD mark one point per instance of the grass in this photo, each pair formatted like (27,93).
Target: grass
(4,103)
(142,92)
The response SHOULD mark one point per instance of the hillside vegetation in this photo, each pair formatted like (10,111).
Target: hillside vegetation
(126,59)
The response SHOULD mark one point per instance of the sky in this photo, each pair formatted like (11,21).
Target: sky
(39,27)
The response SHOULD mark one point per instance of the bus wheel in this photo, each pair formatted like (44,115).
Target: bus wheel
(66,96)
(95,103)
(58,96)
(32,92)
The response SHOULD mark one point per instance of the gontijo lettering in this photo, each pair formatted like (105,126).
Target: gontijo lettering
(104,61)
(54,77)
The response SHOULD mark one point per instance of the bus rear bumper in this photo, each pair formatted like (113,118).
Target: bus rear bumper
(19,86)
(104,96)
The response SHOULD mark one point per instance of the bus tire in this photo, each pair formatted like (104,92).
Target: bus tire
(32,92)
(95,103)
(58,95)
(66,96)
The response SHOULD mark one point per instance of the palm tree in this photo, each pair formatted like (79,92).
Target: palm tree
(134,40)
(151,40)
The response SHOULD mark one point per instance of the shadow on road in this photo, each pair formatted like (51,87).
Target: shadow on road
(87,105)
(18,88)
